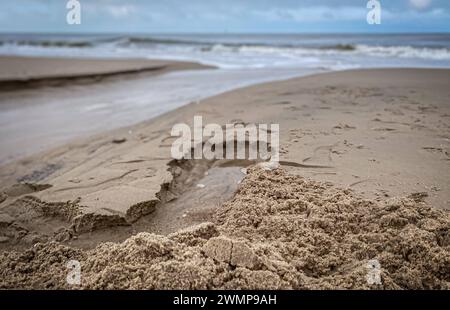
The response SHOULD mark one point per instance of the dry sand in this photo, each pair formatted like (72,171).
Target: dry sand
(279,232)
(383,134)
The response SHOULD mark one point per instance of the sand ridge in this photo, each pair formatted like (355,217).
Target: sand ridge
(280,231)
(45,71)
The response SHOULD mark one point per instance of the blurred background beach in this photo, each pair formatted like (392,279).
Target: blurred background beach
(238,43)
(47,118)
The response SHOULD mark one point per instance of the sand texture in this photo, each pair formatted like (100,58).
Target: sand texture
(278,232)
(364,175)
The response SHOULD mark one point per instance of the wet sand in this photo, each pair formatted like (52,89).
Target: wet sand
(365,175)
(35,118)
(19,70)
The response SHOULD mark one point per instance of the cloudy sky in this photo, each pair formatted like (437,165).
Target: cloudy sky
(234,16)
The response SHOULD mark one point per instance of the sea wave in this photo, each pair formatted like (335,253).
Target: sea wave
(360,50)
(230,47)
(405,52)
(210,45)
(47,43)
(124,41)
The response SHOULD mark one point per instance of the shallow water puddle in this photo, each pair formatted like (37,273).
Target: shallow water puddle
(195,205)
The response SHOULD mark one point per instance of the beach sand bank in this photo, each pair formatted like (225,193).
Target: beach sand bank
(20,72)
(352,143)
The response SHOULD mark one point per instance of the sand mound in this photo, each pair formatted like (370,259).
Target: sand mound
(279,232)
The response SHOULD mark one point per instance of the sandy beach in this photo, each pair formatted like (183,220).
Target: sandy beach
(364,175)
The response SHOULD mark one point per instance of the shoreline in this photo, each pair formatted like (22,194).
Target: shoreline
(35,118)
(383,133)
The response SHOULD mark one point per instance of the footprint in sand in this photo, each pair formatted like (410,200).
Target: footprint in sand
(168,141)
(342,127)
(321,155)
(282,103)
(438,150)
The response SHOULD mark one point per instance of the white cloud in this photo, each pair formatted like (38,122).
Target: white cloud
(316,14)
(120,11)
(115,10)
(420,4)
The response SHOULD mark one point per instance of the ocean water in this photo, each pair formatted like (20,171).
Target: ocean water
(332,51)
